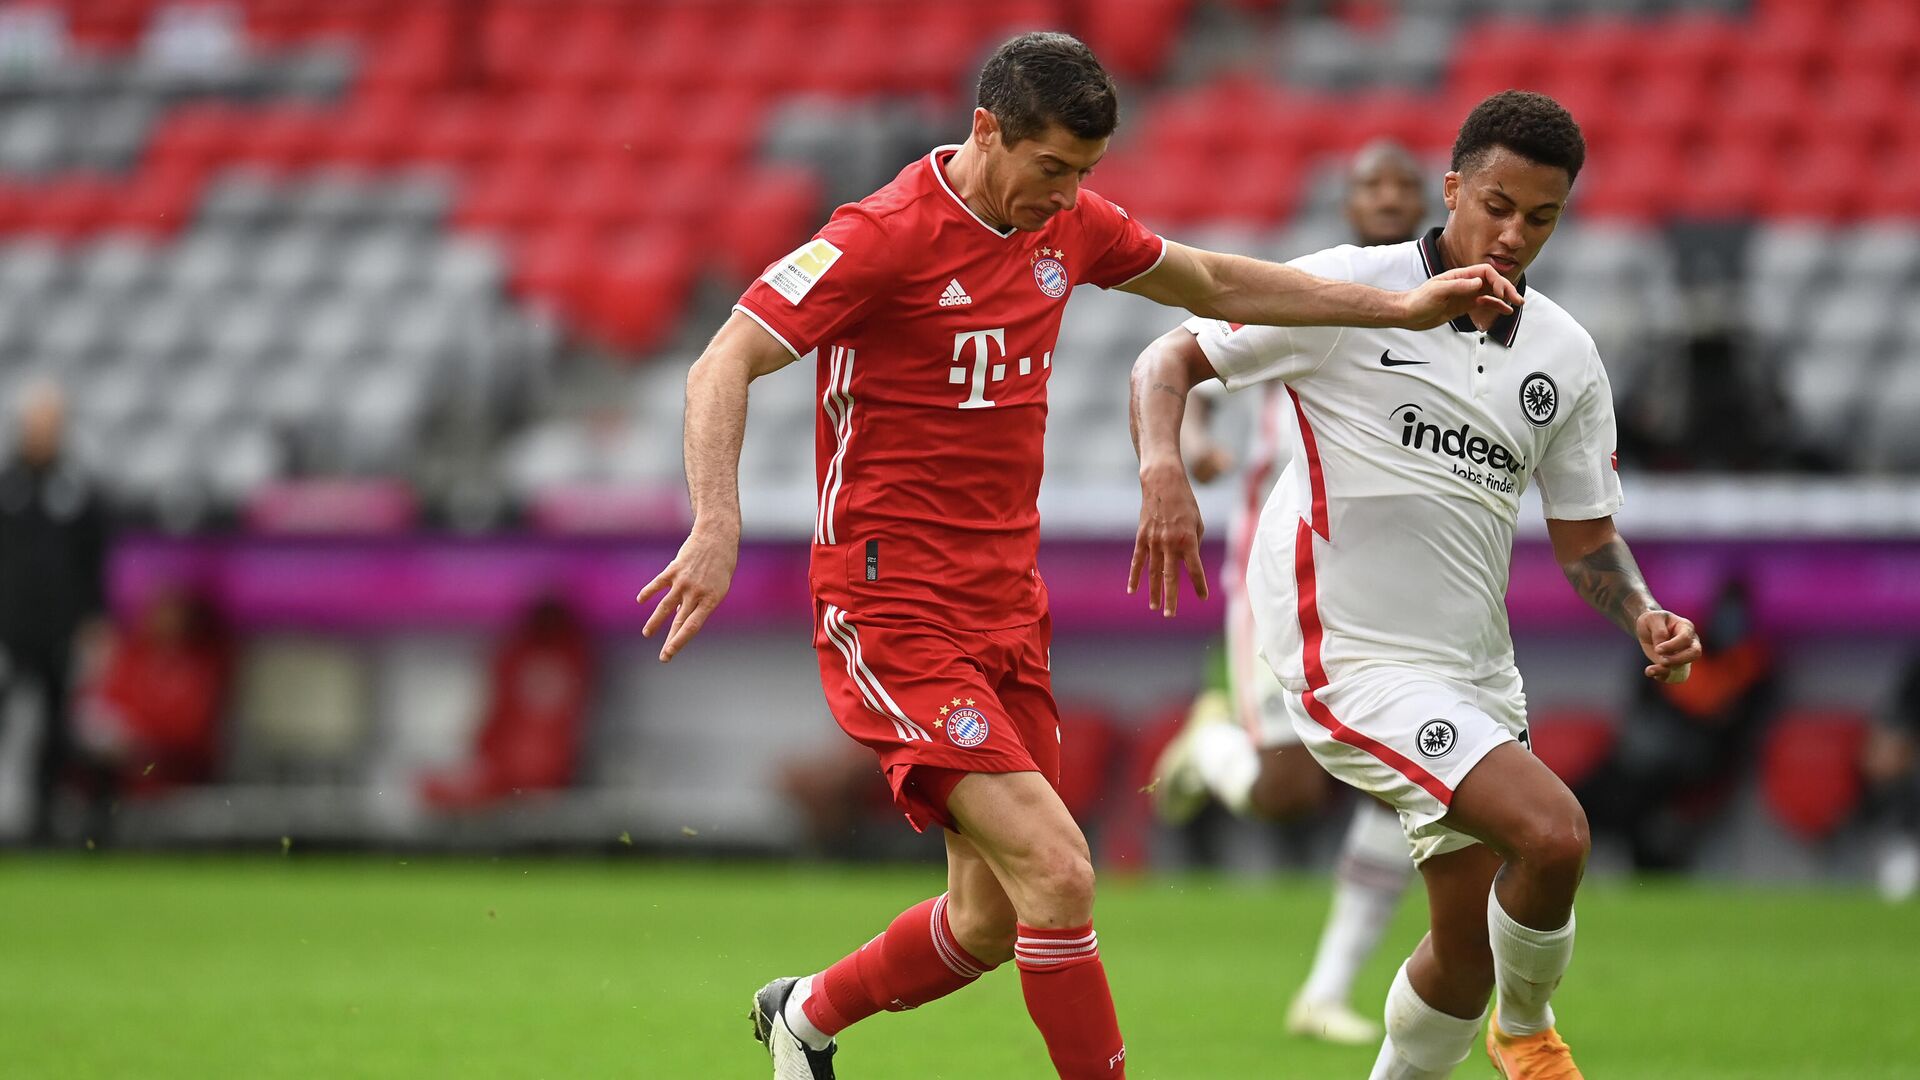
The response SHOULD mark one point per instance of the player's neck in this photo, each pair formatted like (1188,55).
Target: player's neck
(966,174)
(1449,252)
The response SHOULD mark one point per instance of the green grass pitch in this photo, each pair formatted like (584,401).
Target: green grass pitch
(403,967)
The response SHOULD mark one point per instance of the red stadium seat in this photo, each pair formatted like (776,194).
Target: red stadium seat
(1572,742)
(454,131)
(199,135)
(1824,183)
(557,267)
(639,291)
(416,55)
(159,201)
(1133,38)
(507,198)
(1723,181)
(768,215)
(374,131)
(1810,771)
(288,136)
(1766,103)
(72,206)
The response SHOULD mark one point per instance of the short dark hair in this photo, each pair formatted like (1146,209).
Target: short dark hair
(1529,124)
(1048,78)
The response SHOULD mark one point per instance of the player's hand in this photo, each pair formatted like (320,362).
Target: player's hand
(1169,538)
(693,585)
(1670,642)
(1476,291)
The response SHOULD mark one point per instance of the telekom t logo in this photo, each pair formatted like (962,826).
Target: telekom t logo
(985,369)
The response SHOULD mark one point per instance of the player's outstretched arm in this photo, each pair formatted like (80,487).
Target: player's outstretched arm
(1238,289)
(1601,569)
(1170,525)
(693,584)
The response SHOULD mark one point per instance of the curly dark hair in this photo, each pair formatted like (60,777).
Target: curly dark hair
(1044,77)
(1529,124)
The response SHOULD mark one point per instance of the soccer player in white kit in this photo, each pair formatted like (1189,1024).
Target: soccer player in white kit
(1240,746)
(1379,575)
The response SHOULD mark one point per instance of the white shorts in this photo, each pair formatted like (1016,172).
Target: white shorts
(1260,701)
(1408,737)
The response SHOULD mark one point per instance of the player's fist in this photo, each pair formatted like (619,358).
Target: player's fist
(1670,642)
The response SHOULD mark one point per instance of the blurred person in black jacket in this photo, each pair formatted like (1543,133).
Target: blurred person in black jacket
(52,552)
(1680,743)
(1891,763)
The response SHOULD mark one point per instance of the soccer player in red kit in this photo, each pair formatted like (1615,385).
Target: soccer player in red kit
(934,304)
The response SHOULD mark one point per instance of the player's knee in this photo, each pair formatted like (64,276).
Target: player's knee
(1059,886)
(1555,845)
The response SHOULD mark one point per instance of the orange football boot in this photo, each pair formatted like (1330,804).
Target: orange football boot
(1529,1057)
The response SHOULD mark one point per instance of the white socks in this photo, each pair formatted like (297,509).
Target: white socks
(1374,869)
(796,1016)
(1229,763)
(1422,1042)
(1527,965)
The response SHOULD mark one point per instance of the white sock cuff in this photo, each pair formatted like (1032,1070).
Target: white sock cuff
(1526,938)
(1423,1035)
(795,1015)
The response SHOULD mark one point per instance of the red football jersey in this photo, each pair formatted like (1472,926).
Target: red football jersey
(936,335)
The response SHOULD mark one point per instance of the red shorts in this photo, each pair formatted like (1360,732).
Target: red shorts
(937,703)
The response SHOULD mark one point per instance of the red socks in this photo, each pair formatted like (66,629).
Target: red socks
(915,961)
(1067,996)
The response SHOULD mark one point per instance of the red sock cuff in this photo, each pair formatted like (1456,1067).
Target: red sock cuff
(958,960)
(1041,951)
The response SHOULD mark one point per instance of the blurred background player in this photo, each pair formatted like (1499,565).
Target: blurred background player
(1239,746)
(935,304)
(1379,573)
(1891,763)
(53,544)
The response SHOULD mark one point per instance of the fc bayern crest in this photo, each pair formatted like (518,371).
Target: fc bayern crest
(1539,399)
(966,727)
(1051,275)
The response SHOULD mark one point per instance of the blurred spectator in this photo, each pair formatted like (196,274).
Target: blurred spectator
(149,715)
(52,550)
(840,794)
(1892,767)
(538,694)
(1681,744)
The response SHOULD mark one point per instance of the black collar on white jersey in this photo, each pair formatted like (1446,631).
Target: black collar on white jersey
(1506,328)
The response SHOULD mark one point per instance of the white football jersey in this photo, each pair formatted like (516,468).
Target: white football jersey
(1389,535)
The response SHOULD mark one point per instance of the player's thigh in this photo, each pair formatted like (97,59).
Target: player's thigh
(920,697)
(1514,804)
(1408,739)
(1019,825)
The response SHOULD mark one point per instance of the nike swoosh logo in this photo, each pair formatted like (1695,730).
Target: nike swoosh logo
(1391,362)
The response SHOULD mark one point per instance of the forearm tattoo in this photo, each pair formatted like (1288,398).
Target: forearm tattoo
(1609,579)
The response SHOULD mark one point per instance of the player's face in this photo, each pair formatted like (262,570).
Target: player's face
(1036,178)
(1385,203)
(1503,211)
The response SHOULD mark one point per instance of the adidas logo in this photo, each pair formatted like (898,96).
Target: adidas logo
(955,296)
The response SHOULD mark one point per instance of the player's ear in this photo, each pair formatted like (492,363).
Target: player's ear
(1450,191)
(986,128)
